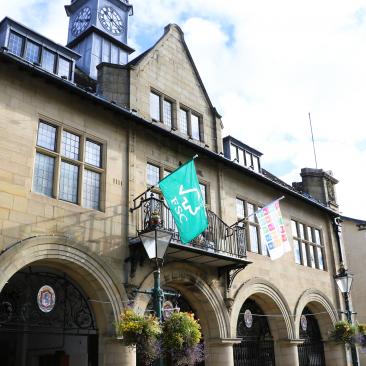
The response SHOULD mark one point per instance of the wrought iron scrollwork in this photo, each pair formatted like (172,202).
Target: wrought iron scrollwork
(19,307)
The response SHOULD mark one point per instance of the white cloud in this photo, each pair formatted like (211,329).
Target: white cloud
(265,65)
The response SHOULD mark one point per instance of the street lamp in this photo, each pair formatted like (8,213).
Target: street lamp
(156,241)
(344,282)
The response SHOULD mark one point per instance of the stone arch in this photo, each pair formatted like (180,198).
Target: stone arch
(270,299)
(205,298)
(83,267)
(321,306)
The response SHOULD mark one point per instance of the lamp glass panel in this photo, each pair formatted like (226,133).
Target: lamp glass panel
(149,245)
(344,283)
(163,239)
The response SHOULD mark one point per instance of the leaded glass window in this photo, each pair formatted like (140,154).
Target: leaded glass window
(32,51)
(46,136)
(64,68)
(309,248)
(70,145)
(93,153)
(246,210)
(68,166)
(68,190)
(183,121)
(153,174)
(48,60)
(167,113)
(43,174)
(203,192)
(155,106)
(195,127)
(16,44)
(91,191)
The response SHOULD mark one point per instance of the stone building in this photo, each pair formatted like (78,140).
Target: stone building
(86,135)
(354,238)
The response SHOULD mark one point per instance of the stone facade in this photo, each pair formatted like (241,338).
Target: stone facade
(91,246)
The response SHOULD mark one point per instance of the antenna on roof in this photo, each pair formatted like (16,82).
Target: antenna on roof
(312,137)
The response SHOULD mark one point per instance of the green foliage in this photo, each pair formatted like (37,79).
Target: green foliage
(142,332)
(343,332)
(132,327)
(181,331)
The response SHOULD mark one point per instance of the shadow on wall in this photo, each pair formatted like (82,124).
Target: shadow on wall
(101,232)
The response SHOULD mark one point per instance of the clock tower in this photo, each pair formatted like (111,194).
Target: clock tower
(98,32)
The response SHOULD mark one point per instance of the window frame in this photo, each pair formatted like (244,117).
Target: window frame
(248,223)
(165,168)
(190,112)
(250,160)
(26,40)
(80,162)
(310,244)
(164,98)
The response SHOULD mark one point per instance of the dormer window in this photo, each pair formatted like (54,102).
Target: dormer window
(38,51)
(242,154)
(64,68)
(244,157)
(16,44)
(32,52)
(48,60)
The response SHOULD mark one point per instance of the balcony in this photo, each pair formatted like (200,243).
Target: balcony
(218,246)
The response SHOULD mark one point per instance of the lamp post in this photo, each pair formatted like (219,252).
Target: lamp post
(344,282)
(155,242)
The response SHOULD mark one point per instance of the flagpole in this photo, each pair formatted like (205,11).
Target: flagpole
(252,214)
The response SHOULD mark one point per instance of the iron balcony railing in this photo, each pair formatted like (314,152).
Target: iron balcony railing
(150,212)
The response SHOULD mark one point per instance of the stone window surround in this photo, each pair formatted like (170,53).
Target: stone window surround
(252,222)
(296,238)
(175,115)
(56,154)
(26,39)
(167,169)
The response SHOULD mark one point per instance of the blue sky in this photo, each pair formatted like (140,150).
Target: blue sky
(266,65)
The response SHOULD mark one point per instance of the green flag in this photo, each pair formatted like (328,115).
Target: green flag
(183,195)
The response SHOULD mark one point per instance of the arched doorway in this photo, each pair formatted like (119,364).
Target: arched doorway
(46,320)
(257,346)
(311,352)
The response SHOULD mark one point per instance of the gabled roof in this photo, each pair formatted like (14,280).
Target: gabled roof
(266,177)
(168,29)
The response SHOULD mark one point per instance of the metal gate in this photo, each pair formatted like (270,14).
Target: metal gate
(256,347)
(311,352)
(41,314)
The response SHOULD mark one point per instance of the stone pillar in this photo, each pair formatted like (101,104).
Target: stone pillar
(115,354)
(220,351)
(286,352)
(335,354)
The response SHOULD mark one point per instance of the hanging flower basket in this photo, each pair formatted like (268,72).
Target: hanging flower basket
(360,337)
(343,332)
(141,332)
(181,335)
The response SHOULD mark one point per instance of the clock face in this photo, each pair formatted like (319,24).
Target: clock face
(81,21)
(111,20)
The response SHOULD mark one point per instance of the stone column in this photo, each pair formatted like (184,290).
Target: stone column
(335,354)
(115,354)
(286,352)
(220,351)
